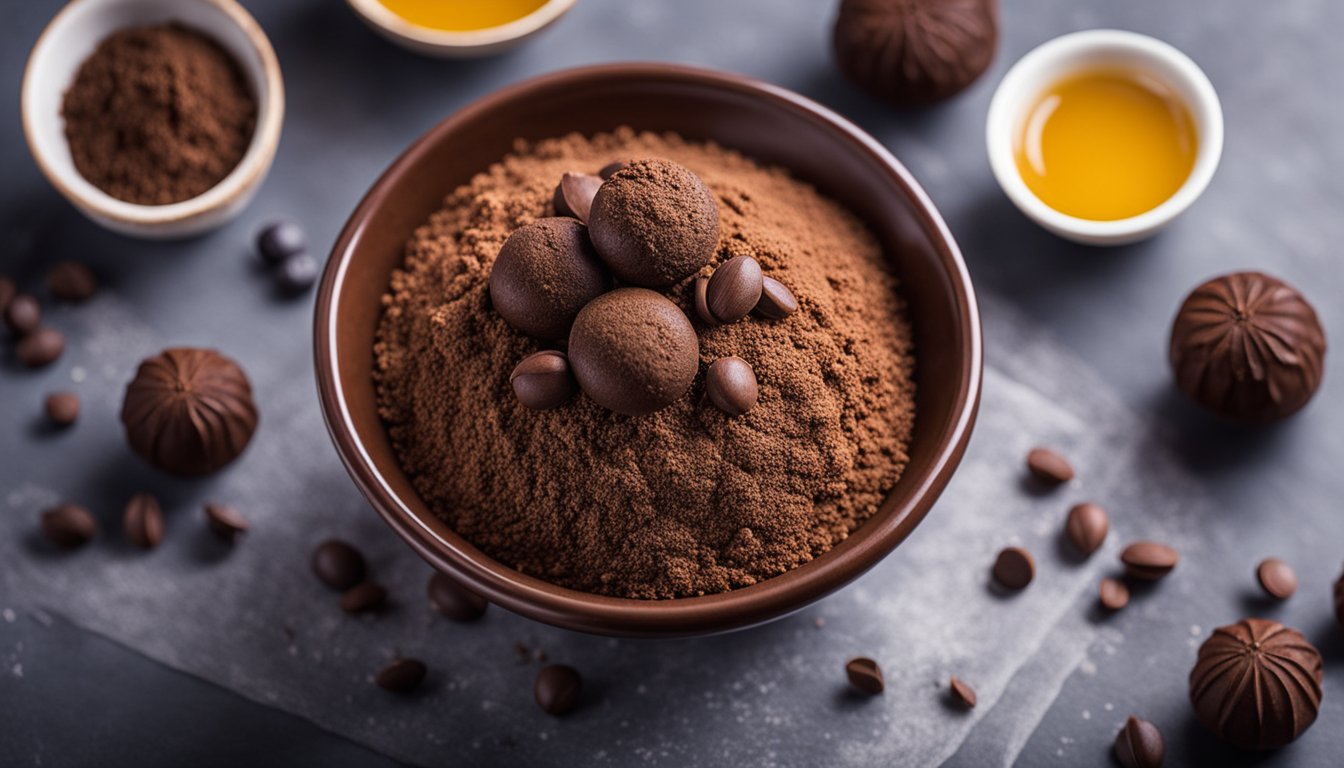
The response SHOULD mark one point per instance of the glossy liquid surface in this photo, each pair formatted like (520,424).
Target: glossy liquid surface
(462,15)
(1106,145)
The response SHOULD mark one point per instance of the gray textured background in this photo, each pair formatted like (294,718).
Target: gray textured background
(1059,681)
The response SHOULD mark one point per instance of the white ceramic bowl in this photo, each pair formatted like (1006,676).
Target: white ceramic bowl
(1057,59)
(69,39)
(458,45)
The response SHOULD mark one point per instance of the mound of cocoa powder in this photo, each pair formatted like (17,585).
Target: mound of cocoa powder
(684,501)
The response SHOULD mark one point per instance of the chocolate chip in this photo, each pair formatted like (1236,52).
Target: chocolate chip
(1276,578)
(402,675)
(23,315)
(1087,526)
(72,281)
(731,385)
(777,301)
(561,207)
(1049,467)
(865,676)
(143,521)
(578,190)
(546,272)
(557,689)
(962,693)
(62,408)
(701,306)
(281,239)
(338,564)
(1014,568)
(41,348)
(8,290)
(543,380)
(297,273)
(225,521)
(454,600)
(1113,594)
(1148,560)
(363,598)
(611,168)
(68,526)
(1139,745)
(734,289)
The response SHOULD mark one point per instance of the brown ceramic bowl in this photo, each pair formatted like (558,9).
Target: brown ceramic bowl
(761,120)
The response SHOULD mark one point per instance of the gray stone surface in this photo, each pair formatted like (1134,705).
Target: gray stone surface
(1061,680)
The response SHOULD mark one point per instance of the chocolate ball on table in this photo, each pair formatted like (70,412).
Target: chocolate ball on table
(1248,347)
(633,351)
(546,272)
(654,223)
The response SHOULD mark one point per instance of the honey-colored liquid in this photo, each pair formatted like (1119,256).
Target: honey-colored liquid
(1106,145)
(462,15)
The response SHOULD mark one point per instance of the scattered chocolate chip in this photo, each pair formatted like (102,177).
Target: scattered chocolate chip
(1014,568)
(281,239)
(297,273)
(1048,466)
(72,281)
(8,290)
(546,272)
(454,600)
(1114,594)
(1276,578)
(557,689)
(578,190)
(402,675)
(363,598)
(23,315)
(865,676)
(1139,744)
(734,289)
(777,301)
(611,168)
(225,521)
(338,564)
(1148,560)
(143,521)
(701,306)
(562,209)
(962,693)
(62,408)
(731,385)
(543,380)
(1339,601)
(68,526)
(41,347)
(1087,526)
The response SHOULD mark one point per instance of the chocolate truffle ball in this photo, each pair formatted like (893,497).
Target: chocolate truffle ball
(633,351)
(189,411)
(914,52)
(654,223)
(1248,347)
(545,273)
(1257,684)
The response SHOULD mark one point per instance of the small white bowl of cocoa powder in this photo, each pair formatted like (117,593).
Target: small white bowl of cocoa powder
(156,118)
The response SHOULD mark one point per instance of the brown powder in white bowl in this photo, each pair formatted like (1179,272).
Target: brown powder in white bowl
(685,501)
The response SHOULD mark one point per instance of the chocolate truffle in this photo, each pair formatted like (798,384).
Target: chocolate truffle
(633,351)
(189,411)
(1257,684)
(913,52)
(545,273)
(1248,347)
(654,223)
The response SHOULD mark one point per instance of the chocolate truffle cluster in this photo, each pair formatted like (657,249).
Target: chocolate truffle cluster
(589,279)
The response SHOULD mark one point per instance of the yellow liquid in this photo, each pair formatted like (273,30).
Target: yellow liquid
(1106,145)
(462,15)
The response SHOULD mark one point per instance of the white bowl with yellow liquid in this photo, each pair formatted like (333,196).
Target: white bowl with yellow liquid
(1104,137)
(459,29)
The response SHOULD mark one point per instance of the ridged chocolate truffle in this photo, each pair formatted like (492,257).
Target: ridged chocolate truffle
(633,351)
(546,272)
(912,52)
(1248,347)
(1257,684)
(189,411)
(654,223)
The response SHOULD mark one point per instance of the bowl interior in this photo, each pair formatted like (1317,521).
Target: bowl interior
(764,122)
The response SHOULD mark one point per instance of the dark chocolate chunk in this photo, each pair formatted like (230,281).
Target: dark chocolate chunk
(546,272)
(338,564)
(454,600)
(41,347)
(1087,526)
(1148,560)
(1248,347)
(731,385)
(1113,594)
(281,239)
(363,598)
(297,273)
(865,676)
(68,526)
(611,168)
(777,301)
(701,301)
(62,408)
(734,289)
(1014,568)
(143,521)
(225,521)
(1277,578)
(578,190)
(962,693)
(8,290)
(402,675)
(558,689)
(1139,745)
(23,315)
(543,380)
(71,281)
(1049,467)
(1257,684)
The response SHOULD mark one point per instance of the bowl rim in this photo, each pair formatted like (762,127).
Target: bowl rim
(374,12)
(249,172)
(599,614)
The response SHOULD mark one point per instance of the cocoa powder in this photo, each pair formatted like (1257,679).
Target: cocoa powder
(687,500)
